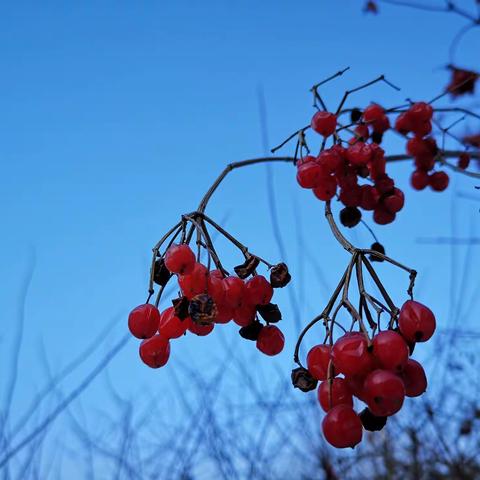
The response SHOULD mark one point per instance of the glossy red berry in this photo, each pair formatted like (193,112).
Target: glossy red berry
(324,123)
(244,314)
(351,356)
(420,112)
(355,384)
(318,359)
(351,197)
(336,392)
(270,340)
(373,113)
(342,427)
(370,197)
(394,202)
(143,321)
(362,133)
(155,351)
(195,282)
(180,259)
(390,350)
(224,313)
(403,123)
(359,154)
(308,174)
(439,181)
(330,160)
(384,393)
(414,378)
(171,326)
(326,188)
(201,330)
(234,291)
(216,288)
(419,179)
(258,291)
(416,322)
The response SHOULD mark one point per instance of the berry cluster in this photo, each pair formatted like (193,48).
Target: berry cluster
(377,372)
(209,297)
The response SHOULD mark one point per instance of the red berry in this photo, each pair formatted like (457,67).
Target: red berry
(351,197)
(351,356)
(384,184)
(155,351)
(414,378)
(362,133)
(180,259)
(342,427)
(425,161)
(420,112)
(216,288)
(308,174)
(422,128)
(439,181)
(200,330)
(381,125)
(143,321)
(318,359)
(171,326)
(244,315)
(403,123)
(394,202)
(306,159)
(370,197)
(463,161)
(419,179)
(416,322)
(384,393)
(324,123)
(355,384)
(195,282)
(234,291)
(335,393)
(359,154)
(326,188)
(224,314)
(258,291)
(383,216)
(330,160)
(270,340)
(372,113)
(390,350)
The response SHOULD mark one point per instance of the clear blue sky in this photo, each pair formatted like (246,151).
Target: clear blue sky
(115,118)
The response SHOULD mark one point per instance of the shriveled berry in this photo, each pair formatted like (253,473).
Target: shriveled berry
(416,322)
(180,259)
(302,379)
(279,276)
(270,340)
(161,274)
(324,123)
(247,267)
(371,422)
(384,393)
(155,351)
(251,331)
(270,312)
(342,427)
(333,393)
(202,309)
(377,247)
(143,321)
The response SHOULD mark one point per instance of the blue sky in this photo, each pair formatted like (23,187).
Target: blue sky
(116,117)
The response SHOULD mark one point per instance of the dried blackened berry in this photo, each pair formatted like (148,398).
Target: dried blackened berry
(202,309)
(371,422)
(181,306)
(302,379)
(377,247)
(350,216)
(270,312)
(161,274)
(251,332)
(376,137)
(247,267)
(279,276)
(355,115)
(363,172)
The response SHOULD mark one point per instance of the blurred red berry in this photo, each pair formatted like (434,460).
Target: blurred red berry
(155,351)
(419,179)
(439,181)
(324,123)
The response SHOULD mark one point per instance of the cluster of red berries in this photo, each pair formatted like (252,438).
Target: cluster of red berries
(378,372)
(208,298)
(338,169)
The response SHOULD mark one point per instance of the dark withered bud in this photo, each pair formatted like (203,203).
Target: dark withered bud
(270,312)
(363,172)
(302,379)
(377,137)
(247,267)
(350,216)
(202,309)
(377,247)
(279,276)
(371,422)
(251,332)
(355,115)
(466,427)
(161,275)
(181,307)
